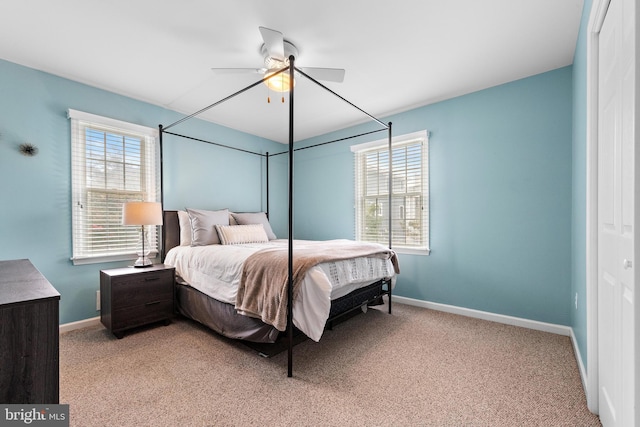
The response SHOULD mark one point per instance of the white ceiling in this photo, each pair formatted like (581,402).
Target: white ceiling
(398,55)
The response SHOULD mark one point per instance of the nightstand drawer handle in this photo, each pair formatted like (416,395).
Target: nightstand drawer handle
(151,279)
(153,303)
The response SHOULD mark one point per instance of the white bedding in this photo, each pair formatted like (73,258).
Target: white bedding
(215,270)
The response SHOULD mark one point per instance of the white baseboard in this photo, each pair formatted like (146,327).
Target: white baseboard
(583,371)
(485,315)
(80,324)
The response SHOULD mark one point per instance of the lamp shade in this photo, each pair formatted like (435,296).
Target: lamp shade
(142,213)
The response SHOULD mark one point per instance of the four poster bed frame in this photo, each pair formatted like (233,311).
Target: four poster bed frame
(169,227)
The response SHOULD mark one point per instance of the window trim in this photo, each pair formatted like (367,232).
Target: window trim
(79,119)
(397,141)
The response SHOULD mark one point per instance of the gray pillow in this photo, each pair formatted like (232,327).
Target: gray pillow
(203,225)
(255,218)
(185,228)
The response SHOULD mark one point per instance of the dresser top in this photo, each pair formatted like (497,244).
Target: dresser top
(20,281)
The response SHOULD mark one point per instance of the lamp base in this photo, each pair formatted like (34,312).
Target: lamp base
(142,262)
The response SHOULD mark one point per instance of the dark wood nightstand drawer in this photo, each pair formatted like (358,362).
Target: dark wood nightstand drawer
(138,315)
(140,289)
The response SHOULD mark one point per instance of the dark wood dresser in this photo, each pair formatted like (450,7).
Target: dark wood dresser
(29,335)
(132,297)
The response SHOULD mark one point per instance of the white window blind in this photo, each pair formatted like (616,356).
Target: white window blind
(112,162)
(410,192)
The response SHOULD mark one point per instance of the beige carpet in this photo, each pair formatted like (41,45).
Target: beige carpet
(416,367)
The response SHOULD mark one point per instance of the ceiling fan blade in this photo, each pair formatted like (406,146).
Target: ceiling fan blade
(238,70)
(274,42)
(328,74)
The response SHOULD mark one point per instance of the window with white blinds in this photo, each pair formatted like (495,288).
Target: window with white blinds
(410,192)
(112,162)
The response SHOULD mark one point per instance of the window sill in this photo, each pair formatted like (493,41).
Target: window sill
(109,258)
(410,251)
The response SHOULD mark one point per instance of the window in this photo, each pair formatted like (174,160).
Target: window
(112,162)
(410,192)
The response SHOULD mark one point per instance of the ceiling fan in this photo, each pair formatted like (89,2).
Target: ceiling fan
(276,51)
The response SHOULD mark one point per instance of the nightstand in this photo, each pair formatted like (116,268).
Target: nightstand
(132,297)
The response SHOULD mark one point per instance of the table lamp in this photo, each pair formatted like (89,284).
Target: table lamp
(142,213)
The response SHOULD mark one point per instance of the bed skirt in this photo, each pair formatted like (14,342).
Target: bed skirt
(222,317)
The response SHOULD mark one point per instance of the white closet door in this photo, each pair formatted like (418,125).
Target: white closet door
(616,215)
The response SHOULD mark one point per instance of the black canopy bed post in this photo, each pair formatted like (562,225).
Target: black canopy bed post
(390,201)
(290,272)
(163,251)
(267,185)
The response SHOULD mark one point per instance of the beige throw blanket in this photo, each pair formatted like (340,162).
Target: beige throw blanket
(263,287)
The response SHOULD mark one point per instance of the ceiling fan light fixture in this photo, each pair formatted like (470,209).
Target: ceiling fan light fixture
(273,63)
(277,52)
(278,83)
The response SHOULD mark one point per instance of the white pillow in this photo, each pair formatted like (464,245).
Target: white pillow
(255,218)
(203,225)
(237,234)
(185,228)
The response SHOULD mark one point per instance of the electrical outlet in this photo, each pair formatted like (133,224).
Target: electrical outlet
(576,300)
(97,300)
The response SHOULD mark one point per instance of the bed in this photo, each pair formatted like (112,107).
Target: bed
(214,283)
(222,316)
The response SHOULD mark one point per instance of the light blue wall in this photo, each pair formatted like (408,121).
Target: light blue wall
(579,195)
(35,193)
(501,198)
